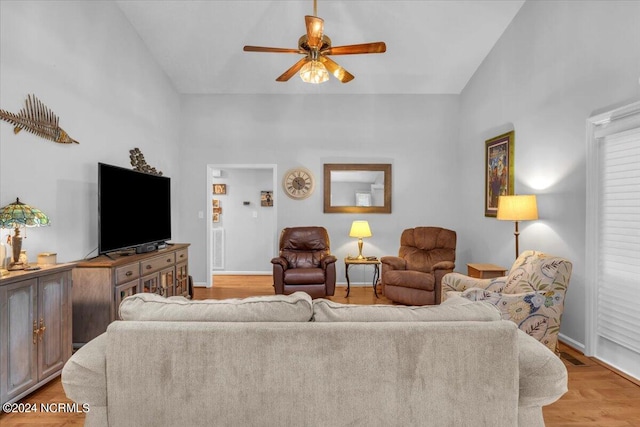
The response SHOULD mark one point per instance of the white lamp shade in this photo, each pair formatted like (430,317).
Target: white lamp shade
(360,229)
(517,208)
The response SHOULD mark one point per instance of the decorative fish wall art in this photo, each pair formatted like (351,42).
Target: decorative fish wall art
(38,119)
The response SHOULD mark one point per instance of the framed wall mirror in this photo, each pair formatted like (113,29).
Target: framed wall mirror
(357,188)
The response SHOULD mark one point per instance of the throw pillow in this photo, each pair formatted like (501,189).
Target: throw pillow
(296,307)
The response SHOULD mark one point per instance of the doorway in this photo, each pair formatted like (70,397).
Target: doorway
(241,219)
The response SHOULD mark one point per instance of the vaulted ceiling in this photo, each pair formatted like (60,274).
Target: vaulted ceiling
(433,47)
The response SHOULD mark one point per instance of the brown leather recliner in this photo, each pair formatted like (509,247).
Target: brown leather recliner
(413,277)
(305,263)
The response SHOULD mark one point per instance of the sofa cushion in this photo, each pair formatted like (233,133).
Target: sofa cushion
(543,376)
(453,310)
(272,308)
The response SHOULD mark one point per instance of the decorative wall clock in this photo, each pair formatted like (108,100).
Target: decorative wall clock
(298,183)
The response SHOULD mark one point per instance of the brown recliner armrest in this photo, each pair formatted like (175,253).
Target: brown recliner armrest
(439,270)
(394,262)
(329,259)
(279,266)
(443,265)
(280,261)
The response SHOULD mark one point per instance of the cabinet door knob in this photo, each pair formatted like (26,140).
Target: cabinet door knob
(168,260)
(129,273)
(148,267)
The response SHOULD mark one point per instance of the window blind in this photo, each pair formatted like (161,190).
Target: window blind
(619,238)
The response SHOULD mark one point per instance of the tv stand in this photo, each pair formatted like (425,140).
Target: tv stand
(101,283)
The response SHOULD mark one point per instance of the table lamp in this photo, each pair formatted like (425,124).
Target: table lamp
(16,215)
(517,208)
(360,229)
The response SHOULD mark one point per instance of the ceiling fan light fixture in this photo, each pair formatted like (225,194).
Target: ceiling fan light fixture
(314,72)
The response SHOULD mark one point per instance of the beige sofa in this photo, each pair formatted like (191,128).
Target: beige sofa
(290,361)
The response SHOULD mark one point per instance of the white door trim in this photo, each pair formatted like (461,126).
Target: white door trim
(608,122)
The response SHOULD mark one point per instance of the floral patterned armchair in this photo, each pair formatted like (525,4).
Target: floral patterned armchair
(531,295)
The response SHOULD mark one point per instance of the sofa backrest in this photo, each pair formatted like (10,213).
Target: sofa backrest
(313,374)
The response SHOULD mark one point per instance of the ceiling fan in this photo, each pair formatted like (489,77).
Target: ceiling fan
(316,48)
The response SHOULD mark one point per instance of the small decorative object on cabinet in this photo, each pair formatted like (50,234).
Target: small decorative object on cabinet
(16,215)
(38,119)
(485,271)
(101,283)
(35,328)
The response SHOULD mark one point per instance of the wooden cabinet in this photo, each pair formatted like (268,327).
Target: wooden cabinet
(101,283)
(35,328)
(485,271)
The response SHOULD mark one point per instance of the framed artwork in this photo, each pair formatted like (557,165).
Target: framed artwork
(266,198)
(216,203)
(217,210)
(498,176)
(216,217)
(219,188)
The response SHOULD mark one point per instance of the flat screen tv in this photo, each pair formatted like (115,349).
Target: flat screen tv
(134,209)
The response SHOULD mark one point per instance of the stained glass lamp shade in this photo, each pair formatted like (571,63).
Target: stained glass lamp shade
(16,215)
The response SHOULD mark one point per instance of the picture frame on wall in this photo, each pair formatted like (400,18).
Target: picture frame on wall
(219,188)
(266,198)
(499,171)
(216,217)
(216,203)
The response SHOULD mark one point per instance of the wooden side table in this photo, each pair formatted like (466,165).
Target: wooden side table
(485,271)
(348,262)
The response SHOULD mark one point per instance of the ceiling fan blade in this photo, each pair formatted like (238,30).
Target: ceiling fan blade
(270,49)
(377,47)
(292,71)
(315,26)
(334,68)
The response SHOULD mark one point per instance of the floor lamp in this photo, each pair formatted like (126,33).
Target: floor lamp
(517,208)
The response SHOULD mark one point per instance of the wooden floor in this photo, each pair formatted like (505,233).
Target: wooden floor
(597,397)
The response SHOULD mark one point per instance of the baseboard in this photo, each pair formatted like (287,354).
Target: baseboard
(241,273)
(572,343)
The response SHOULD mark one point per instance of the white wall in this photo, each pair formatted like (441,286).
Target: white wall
(417,134)
(85,62)
(556,64)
